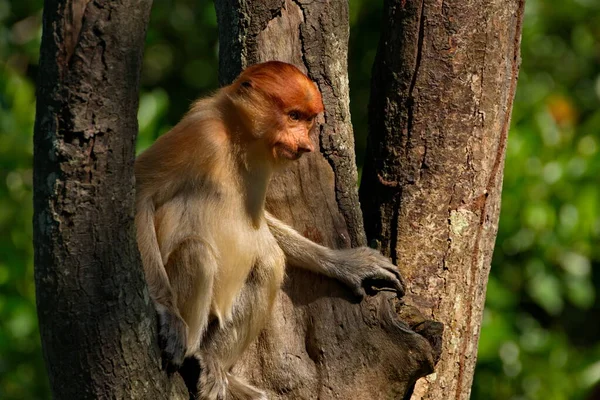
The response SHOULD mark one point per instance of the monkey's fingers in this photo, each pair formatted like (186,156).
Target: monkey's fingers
(385,263)
(372,286)
(394,270)
(399,284)
(398,280)
(384,279)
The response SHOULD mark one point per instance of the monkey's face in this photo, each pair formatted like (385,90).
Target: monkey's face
(280,105)
(293,138)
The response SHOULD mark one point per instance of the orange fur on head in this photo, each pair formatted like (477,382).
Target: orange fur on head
(285,85)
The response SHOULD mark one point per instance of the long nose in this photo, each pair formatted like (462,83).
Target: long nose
(305,146)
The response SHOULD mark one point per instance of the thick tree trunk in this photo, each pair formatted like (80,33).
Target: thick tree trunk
(97,324)
(321,344)
(443,85)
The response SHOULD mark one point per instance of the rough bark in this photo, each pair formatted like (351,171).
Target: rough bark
(442,90)
(96,321)
(320,343)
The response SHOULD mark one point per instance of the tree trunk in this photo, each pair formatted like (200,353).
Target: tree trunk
(320,343)
(442,90)
(96,320)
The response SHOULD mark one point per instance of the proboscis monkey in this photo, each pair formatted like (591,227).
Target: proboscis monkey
(213,258)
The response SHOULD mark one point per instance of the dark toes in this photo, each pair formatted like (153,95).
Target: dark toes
(173,352)
(172,340)
(172,358)
(190,372)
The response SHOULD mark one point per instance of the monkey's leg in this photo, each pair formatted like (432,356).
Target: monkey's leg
(223,345)
(191,269)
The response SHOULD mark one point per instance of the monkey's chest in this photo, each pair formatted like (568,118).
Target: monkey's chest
(249,260)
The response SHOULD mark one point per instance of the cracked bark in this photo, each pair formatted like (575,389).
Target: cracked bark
(443,84)
(96,321)
(320,343)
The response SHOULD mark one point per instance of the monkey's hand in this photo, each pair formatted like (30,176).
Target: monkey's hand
(172,338)
(366,270)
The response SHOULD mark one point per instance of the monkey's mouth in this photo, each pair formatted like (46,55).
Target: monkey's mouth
(287,153)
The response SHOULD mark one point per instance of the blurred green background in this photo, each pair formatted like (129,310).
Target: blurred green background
(540,337)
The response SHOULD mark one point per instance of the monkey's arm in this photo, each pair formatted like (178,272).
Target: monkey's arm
(358,267)
(172,328)
(154,270)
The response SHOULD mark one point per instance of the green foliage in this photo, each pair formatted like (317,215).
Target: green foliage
(180,63)
(22,373)
(539,337)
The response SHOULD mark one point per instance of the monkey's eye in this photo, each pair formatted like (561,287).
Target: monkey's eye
(294,115)
(246,84)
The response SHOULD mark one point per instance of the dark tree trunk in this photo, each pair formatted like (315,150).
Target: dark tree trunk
(96,321)
(321,344)
(443,84)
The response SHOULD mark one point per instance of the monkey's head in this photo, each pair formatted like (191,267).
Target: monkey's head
(277,104)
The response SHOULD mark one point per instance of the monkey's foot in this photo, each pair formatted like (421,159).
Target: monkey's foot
(213,383)
(172,338)
(239,390)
